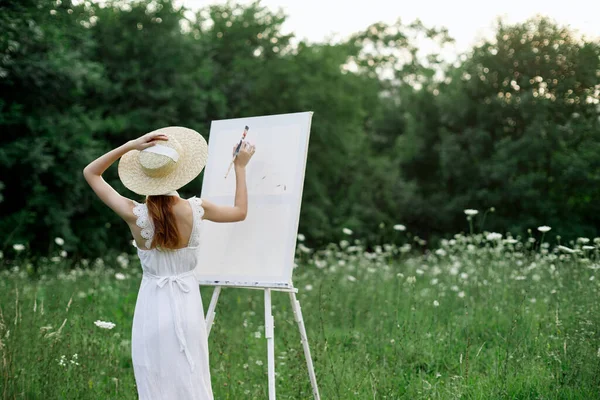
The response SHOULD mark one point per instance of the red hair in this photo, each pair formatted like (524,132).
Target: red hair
(160,209)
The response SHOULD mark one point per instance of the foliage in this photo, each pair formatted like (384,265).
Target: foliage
(514,125)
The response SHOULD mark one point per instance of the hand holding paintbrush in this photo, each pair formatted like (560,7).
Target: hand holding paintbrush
(242,153)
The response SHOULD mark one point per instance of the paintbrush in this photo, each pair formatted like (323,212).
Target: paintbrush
(237,150)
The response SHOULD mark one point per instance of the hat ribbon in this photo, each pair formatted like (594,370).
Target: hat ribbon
(164,150)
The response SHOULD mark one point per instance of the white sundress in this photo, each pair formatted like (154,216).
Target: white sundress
(169,338)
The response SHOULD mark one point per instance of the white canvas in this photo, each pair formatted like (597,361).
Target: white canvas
(259,251)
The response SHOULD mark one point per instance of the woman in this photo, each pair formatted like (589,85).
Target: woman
(169,337)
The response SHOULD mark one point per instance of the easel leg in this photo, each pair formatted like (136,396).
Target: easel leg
(269,334)
(210,314)
(311,371)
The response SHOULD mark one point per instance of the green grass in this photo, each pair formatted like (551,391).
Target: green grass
(514,321)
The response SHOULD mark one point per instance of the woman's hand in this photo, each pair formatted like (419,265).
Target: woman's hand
(246,152)
(148,140)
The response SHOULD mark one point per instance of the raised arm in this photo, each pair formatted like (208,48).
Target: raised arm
(238,212)
(93,174)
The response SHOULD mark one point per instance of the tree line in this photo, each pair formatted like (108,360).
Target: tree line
(398,137)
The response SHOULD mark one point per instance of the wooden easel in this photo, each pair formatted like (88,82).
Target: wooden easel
(269,327)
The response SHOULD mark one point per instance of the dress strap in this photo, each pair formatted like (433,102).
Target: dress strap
(140,210)
(198,216)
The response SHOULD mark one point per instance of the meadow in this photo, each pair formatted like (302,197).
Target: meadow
(481,316)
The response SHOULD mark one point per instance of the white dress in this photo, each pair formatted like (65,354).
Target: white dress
(169,339)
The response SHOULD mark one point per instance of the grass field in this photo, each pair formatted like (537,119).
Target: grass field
(481,317)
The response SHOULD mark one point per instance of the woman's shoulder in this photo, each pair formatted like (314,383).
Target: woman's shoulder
(195,200)
(197,205)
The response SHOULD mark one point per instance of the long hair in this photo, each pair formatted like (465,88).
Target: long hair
(160,209)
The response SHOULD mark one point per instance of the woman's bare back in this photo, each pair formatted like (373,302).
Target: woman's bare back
(182,210)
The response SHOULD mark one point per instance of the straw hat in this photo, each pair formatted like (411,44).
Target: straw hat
(166,166)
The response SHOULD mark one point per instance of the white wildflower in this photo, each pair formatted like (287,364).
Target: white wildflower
(63,361)
(583,240)
(511,241)
(399,227)
(470,212)
(104,324)
(258,362)
(493,236)
(351,278)
(245,366)
(341,263)
(301,237)
(63,253)
(464,276)
(18,247)
(303,248)
(461,294)
(566,249)
(347,231)
(120,276)
(320,264)
(440,252)
(411,279)
(588,247)
(436,303)
(257,334)
(59,241)
(344,244)
(544,228)
(308,288)
(123,260)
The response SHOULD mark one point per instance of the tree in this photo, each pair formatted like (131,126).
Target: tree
(515,126)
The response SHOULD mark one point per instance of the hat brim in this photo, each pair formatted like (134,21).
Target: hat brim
(190,164)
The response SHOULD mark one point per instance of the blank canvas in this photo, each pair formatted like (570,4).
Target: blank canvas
(258,251)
